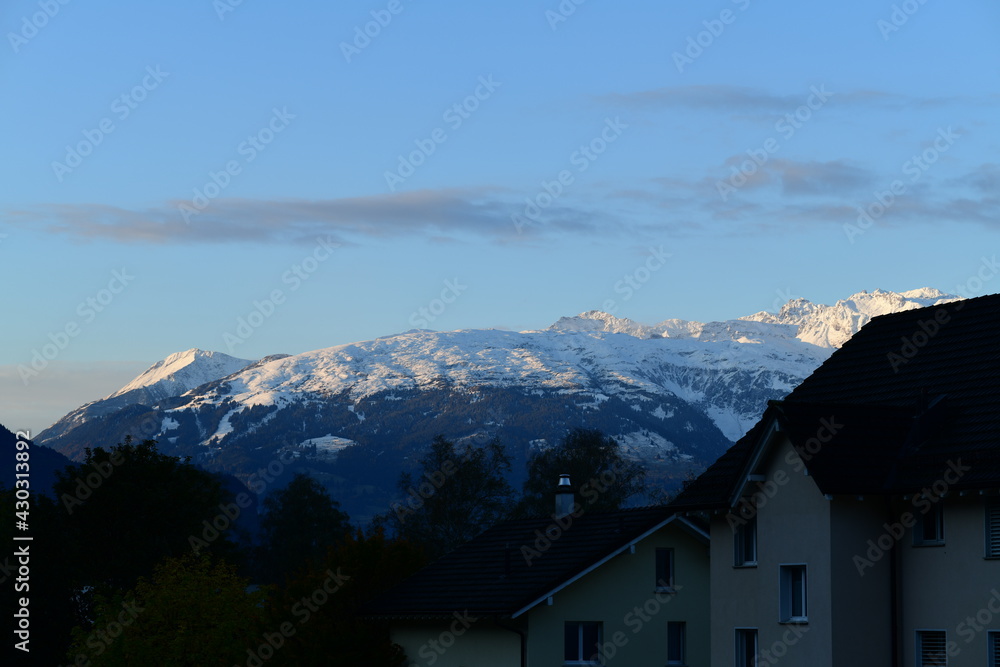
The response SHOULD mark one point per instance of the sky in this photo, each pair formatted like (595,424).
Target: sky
(259,178)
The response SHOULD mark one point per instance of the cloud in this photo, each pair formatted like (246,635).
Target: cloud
(747,100)
(835,177)
(438,215)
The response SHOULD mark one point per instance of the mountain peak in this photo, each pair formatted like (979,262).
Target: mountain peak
(182,371)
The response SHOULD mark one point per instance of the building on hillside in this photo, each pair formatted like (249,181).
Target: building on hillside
(577,588)
(858,523)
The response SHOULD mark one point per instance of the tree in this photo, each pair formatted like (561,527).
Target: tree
(300,523)
(130,507)
(602,478)
(325,604)
(459,493)
(193,610)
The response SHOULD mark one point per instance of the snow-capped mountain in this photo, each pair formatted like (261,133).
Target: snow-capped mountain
(831,326)
(178,373)
(676,393)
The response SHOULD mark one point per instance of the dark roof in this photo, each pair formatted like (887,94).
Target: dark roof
(911,393)
(491,574)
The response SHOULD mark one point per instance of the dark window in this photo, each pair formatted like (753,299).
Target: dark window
(792,584)
(929,528)
(746,647)
(745,543)
(582,643)
(664,568)
(676,632)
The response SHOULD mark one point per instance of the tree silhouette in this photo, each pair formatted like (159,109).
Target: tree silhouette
(601,477)
(300,523)
(458,493)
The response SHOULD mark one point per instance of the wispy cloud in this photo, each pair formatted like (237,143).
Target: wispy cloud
(747,100)
(433,214)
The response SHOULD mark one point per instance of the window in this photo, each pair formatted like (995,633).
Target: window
(993,528)
(745,543)
(932,648)
(792,587)
(929,528)
(664,569)
(583,643)
(676,632)
(746,647)
(993,659)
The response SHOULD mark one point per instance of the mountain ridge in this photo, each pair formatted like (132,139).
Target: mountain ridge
(677,392)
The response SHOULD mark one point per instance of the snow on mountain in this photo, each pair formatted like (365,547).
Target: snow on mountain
(676,392)
(832,326)
(173,376)
(182,371)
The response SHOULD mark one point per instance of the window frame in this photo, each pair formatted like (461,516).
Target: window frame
(748,529)
(740,660)
(786,592)
(667,586)
(682,625)
(582,661)
(919,539)
(918,655)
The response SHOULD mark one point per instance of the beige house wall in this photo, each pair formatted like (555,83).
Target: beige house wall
(952,587)
(793,526)
(621,594)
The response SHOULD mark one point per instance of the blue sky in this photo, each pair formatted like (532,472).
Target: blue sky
(523,161)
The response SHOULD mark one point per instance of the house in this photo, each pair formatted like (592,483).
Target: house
(858,523)
(579,588)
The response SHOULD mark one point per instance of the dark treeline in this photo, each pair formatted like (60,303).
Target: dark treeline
(141,558)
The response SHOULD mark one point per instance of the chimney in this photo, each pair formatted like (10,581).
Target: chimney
(564,497)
